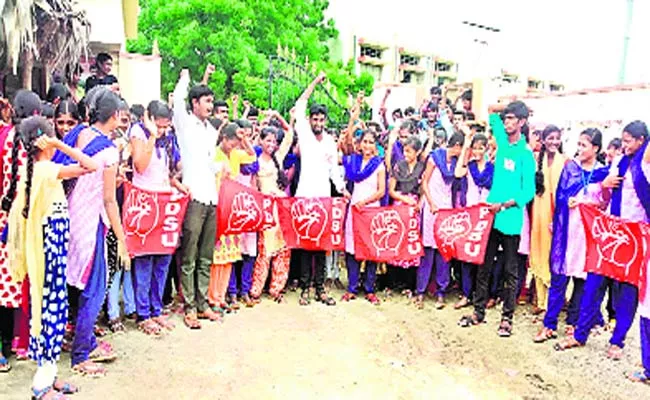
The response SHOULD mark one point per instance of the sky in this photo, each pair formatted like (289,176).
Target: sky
(577,42)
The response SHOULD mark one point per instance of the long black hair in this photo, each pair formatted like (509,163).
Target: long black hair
(30,130)
(101,104)
(539,175)
(282,180)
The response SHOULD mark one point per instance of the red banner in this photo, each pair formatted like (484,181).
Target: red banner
(615,247)
(385,234)
(152,220)
(242,209)
(312,224)
(463,233)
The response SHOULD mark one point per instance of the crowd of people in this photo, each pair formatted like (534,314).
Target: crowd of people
(64,258)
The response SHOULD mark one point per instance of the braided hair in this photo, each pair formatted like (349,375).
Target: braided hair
(28,132)
(282,180)
(539,175)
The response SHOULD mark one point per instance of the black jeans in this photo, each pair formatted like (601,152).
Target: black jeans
(510,244)
(312,260)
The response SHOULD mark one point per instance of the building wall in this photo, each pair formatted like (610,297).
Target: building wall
(139,78)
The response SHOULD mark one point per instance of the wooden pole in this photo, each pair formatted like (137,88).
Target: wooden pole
(26,69)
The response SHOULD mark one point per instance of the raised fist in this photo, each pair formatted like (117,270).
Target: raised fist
(454,227)
(615,242)
(387,231)
(309,219)
(245,214)
(141,213)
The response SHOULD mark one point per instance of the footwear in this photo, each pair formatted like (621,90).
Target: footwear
(116,326)
(464,302)
(324,298)
(469,320)
(103,353)
(4,364)
(440,303)
(638,377)
(373,299)
(544,334)
(348,296)
(191,321)
(614,352)
(233,302)
(328,283)
(64,387)
(48,394)
(90,369)
(567,343)
(209,315)
(149,327)
(338,284)
(505,328)
(304,298)
(419,302)
(248,302)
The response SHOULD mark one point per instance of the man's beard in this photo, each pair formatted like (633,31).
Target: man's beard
(317,131)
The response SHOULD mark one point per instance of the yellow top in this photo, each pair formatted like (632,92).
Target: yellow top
(25,239)
(237,158)
(542,220)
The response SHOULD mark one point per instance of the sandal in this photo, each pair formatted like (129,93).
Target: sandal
(48,394)
(191,321)
(4,365)
(22,355)
(469,320)
(325,299)
(464,302)
(64,387)
(293,286)
(373,299)
(246,299)
(544,334)
(638,377)
(234,305)
(209,315)
(102,353)
(567,343)
(304,298)
(164,323)
(440,303)
(90,369)
(491,304)
(149,327)
(100,332)
(348,296)
(116,326)
(407,293)
(338,284)
(505,328)
(419,302)
(614,352)
(278,299)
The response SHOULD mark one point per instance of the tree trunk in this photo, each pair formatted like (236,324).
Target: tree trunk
(26,69)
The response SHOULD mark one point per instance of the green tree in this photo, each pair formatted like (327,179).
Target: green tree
(238,36)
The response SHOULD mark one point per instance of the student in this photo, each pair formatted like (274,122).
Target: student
(579,182)
(479,172)
(550,162)
(367,174)
(14,299)
(102,76)
(271,180)
(441,191)
(39,228)
(93,210)
(630,200)
(156,161)
(404,188)
(613,150)
(513,186)
(229,157)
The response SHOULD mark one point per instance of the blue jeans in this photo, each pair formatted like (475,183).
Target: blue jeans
(113,301)
(150,276)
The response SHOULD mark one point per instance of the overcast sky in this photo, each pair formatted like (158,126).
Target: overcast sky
(579,42)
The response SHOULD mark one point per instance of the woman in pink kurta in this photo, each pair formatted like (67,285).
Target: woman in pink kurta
(366,172)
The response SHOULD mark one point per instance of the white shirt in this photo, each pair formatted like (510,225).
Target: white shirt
(318,159)
(198,142)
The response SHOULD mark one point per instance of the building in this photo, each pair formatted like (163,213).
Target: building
(113,22)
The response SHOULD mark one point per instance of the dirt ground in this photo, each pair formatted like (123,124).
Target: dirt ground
(351,351)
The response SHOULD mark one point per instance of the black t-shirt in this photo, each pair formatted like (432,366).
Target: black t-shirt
(93,81)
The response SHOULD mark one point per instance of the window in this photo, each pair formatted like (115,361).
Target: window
(371,52)
(407,76)
(406,59)
(533,84)
(554,87)
(443,67)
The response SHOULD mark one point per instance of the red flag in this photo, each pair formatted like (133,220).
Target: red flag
(152,220)
(614,246)
(463,233)
(385,234)
(312,224)
(242,209)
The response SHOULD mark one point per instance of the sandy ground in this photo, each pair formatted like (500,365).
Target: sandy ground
(351,351)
